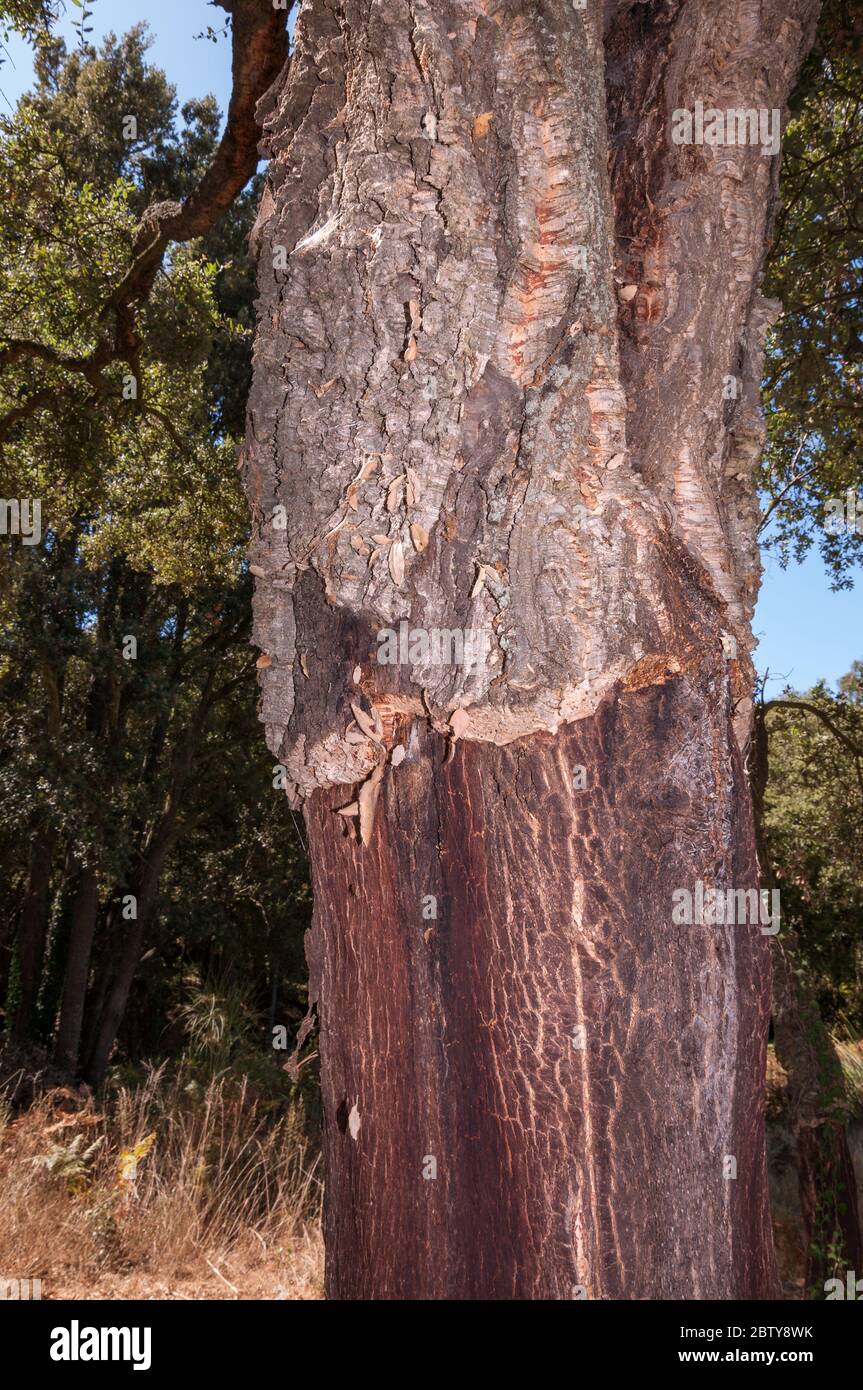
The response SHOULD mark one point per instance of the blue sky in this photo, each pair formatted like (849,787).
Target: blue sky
(805,630)
(195,67)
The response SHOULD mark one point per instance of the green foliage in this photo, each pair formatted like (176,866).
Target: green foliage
(30,18)
(136,461)
(70,1163)
(216,1020)
(813,389)
(814,822)
(151,768)
(86,99)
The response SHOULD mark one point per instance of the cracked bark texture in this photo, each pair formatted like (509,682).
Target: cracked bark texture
(457,421)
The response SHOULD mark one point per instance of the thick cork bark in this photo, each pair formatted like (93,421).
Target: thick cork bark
(499,310)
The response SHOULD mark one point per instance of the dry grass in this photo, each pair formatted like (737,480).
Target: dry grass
(222,1202)
(851,1058)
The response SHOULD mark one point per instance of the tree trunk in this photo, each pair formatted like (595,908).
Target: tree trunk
(84,913)
(33,927)
(159,844)
(134,933)
(535,1085)
(116,997)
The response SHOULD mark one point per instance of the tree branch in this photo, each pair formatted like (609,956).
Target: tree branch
(259,40)
(796,479)
(855,749)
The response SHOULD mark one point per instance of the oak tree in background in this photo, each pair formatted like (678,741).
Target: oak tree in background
(507,381)
(812,386)
(806,771)
(131,784)
(811,467)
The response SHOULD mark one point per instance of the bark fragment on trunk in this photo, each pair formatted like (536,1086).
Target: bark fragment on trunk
(458,422)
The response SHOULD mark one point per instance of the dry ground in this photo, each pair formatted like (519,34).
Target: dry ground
(182,1191)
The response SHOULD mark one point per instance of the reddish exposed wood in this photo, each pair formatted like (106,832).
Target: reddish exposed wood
(453,1037)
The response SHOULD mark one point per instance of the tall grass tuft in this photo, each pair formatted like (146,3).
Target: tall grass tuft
(195,1186)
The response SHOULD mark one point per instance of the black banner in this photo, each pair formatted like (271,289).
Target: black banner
(225,1338)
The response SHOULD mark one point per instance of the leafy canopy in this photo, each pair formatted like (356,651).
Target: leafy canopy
(813,390)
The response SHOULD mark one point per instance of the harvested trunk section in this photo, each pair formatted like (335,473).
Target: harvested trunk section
(562,1159)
